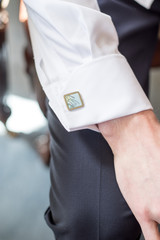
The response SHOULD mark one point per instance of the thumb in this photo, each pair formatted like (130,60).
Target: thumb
(150,230)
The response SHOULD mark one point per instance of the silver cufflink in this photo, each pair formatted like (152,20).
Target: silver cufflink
(73,100)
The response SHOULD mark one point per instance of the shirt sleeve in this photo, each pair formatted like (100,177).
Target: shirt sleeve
(85,78)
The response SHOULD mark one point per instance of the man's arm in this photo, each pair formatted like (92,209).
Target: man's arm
(76,50)
(135,142)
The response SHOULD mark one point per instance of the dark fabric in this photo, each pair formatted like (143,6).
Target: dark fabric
(85,201)
(137,29)
(156,6)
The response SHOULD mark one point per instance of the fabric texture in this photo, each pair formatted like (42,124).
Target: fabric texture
(76,50)
(85,201)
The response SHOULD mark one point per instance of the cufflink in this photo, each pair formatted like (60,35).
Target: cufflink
(73,100)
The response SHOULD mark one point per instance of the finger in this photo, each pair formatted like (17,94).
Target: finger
(150,230)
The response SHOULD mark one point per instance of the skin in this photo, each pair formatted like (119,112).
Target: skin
(135,142)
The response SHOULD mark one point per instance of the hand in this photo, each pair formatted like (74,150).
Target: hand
(135,142)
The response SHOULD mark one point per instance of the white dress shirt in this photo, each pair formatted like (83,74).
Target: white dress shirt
(145,3)
(85,78)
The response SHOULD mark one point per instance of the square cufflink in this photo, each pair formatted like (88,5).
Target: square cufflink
(73,100)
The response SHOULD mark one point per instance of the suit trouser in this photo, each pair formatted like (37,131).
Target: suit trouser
(85,201)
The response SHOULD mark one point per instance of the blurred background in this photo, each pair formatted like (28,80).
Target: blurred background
(24,174)
(24,142)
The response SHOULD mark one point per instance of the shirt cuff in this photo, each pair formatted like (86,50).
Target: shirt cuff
(101,90)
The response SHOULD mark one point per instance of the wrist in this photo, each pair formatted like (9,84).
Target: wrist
(124,129)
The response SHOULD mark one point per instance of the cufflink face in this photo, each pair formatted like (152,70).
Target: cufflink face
(73,100)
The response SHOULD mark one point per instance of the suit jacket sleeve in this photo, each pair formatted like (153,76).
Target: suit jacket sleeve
(85,78)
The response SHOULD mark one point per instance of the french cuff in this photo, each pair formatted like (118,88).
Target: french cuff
(101,90)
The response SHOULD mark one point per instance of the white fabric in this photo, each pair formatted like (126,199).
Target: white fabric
(75,49)
(145,3)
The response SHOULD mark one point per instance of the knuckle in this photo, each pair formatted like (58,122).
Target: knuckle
(156,212)
(147,213)
(143,213)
